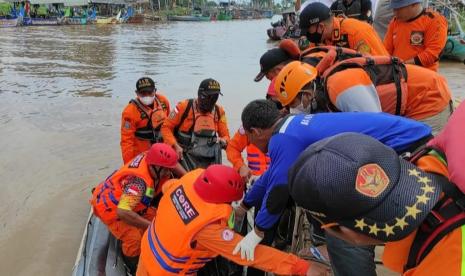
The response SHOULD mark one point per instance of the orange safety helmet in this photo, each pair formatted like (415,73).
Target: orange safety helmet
(162,155)
(291,79)
(219,184)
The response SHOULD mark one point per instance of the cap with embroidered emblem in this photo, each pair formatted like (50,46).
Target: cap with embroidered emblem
(360,183)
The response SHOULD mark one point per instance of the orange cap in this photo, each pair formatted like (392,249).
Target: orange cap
(291,79)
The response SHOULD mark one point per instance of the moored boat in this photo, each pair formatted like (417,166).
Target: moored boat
(52,21)
(188,18)
(10,22)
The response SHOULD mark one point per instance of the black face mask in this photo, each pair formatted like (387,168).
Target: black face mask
(207,102)
(314,37)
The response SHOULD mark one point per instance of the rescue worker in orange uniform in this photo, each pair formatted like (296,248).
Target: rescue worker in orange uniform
(416,35)
(413,208)
(142,118)
(320,27)
(194,225)
(127,199)
(197,128)
(426,95)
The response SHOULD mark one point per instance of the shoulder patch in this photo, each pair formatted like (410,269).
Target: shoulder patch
(173,114)
(223,119)
(183,205)
(127,125)
(362,47)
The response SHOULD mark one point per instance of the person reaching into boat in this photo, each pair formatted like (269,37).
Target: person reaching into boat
(410,206)
(321,27)
(197,128)
(284,139)
(415,34)
(127,200)
(142,118)
(194,224)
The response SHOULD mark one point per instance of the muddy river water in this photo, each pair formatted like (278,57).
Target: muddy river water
(62,90)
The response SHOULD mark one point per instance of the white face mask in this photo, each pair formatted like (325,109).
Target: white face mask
(148,100)
(300,109)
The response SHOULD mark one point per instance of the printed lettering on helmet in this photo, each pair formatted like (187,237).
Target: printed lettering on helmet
(416,38)
(371,180)
(136,161)
(183,205)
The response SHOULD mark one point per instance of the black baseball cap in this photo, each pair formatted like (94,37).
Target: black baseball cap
(313,13)
(356,181)
(269,60)
(145,84)
(210,86)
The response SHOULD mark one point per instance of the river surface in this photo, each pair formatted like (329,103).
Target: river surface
(62,91)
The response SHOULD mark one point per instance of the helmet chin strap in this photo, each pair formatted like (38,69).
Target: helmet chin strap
(156,171)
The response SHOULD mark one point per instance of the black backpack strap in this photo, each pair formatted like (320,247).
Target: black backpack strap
(184,115)
(395,73)
(446,216)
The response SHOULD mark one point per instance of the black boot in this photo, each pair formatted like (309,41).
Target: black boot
(131,263)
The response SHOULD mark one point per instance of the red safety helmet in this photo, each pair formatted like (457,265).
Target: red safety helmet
(219,184)
(162,155)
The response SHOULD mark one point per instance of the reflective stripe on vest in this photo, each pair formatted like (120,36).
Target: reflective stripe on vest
(256,160)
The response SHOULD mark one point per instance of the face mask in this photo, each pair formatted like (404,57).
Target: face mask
(300,108)
(148,100)
(314,37)
(207,103)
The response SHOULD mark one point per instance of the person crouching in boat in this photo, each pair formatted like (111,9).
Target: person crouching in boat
(142,118)
(197,128)
(127,199)
(194,225)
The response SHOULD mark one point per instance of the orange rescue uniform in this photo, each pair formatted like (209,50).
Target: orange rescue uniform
(135,118)
(257,161)
(174,121)
(356,35)
(428,93)
(448,255)
(130,186)
(188,232)
(422,38)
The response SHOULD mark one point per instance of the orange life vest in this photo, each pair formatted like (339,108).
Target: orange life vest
(388,74)
(168,247)
(204,124)
(107,194)
(257,161)
(155,118)
(323,57)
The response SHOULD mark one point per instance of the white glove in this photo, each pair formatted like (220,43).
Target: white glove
(247,245)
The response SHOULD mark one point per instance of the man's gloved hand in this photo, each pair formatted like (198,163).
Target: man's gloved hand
(247,245)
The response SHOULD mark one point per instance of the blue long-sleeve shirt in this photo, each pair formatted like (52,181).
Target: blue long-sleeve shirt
(296,132)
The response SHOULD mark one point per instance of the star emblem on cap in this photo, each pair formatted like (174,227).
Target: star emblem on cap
(423,199)
(401,223)
(412,211)
(425,180)
(374,229)
(388,230)
(360,223)
(414,172)
(427,189)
